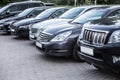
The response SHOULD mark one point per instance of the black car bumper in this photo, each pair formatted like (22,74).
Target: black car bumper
(20,33)
(5,28)
(56,48)
(107,56)
(32,36)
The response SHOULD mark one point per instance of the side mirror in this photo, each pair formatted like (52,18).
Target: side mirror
(8,12)
(31,15)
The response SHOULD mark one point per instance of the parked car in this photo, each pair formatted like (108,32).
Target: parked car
(69,15)
(61,40)
(28,13)
(21,28)
(14,8)
(100,43)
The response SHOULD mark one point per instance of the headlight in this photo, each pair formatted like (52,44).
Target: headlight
(115,37)
(62,36)
(25,26)
(39,31)
(30,26)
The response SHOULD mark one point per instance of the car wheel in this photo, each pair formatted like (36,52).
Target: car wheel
(75,54)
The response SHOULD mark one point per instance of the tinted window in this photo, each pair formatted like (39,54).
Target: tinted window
(115,14)
(36,4)
(57,13)
(36,12)
(3,9)
(46,13)
(72,13)
(13,8)
(25,12)
(22,7)
(90,15)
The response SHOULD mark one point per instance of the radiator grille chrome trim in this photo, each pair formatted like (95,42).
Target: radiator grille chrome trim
(95,36)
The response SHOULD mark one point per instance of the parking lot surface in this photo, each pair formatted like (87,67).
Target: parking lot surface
(21,60)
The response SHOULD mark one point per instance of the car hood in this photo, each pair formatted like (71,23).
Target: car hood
(53,22)
(27,21)
(56,29)
(10,19)
(104,25)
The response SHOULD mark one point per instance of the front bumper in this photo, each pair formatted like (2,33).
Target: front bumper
(102,55)
(32,36)
(56,48)
(20,32)
(6,27)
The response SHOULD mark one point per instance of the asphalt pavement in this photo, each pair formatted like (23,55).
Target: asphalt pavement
(21,60)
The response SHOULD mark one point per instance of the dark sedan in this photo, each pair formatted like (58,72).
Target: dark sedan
(61,40)
(21,28)
(64,18)
(31,12)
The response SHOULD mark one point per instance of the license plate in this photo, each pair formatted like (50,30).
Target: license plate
(32,36)
(39,44)
(87,50)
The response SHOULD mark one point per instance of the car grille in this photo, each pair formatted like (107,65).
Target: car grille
(34,30)
(94,37)
(44,37)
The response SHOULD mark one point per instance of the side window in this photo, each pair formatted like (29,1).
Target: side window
(12,8)
(115,14)
(22,7)
(57,13)
(36,4)
(35,12)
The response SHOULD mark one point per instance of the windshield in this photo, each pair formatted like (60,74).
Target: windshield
(4,8)
(45,13)
(90,15)
(24,13)
(72,13)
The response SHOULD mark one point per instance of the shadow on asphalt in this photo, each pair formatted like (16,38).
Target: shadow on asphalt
(95,72)
(5,34)
(55,59)
(19,38)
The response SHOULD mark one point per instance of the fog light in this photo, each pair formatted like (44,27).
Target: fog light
(116,59)
(12,30)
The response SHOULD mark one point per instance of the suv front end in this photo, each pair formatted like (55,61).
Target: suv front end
(99,45)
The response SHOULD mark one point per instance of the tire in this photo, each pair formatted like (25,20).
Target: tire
(75,54)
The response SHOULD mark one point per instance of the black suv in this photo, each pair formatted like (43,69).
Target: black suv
(99,43)
(15,8)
